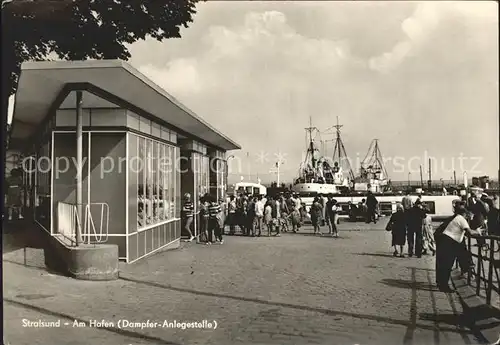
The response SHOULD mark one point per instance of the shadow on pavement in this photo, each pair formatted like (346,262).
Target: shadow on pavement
(72,318)
(422,269)
(35,267)
(21,234)
(325,311)
(448,319)
(408,284)
(383,255)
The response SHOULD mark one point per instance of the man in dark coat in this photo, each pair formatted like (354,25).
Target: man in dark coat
(371,204)
(414,222)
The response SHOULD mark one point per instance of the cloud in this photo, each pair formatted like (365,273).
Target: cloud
(259,75)
(264,42)
(180,75)
(417,29)
(424,21)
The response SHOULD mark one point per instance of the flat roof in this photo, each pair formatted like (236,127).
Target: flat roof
(41,83)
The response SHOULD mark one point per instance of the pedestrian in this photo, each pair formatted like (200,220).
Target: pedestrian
(429,243)
(289,202)
(231,214)
(316,213)
(371,205)
(205,236)
(449,245)
(259,215)
(303,213)
(188,215)
(223,206)
(250,216)
(479,211)
(284,213)
(295,216)
(322,201)
(241,210)
(268,217)
(363,209)
(332,210)
(14,188)
(215,219)
(276,205)
(414,223)
(397,226)
(407,202)
(493,218)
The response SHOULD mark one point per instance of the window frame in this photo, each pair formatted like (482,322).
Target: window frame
(158,183)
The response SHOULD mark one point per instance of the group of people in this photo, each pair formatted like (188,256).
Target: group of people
(411,222)
(250,213)
(325,212)
(368,209)
(255,213)
(211,218)
(258,214)
(475,216)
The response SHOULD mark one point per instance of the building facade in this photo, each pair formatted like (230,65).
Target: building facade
(139,151)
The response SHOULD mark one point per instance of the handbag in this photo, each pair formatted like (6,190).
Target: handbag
(389,226)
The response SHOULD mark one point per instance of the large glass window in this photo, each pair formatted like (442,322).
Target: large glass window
(29,178)
(155,182)
(221,178)
(42,187)
(201,170)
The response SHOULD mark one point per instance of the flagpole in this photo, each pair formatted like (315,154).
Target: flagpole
(278,166)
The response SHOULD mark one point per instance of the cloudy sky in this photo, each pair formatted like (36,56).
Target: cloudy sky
(420,77)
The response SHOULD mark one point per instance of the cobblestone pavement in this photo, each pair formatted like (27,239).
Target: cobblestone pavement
(296,289)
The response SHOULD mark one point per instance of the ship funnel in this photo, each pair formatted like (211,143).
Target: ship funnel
(465,179)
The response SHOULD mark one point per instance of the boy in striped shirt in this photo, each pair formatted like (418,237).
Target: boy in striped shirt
(215,219)
(187,214)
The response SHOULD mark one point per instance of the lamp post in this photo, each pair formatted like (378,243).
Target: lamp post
(409,176)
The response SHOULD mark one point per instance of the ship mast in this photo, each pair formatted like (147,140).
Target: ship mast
(309,131)
(339,150)
(338,142)
(374,163)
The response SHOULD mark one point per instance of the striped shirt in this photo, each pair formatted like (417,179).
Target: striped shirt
(187,209)
(204,210)
(214,210)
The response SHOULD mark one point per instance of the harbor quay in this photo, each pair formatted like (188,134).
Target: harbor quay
(295,289)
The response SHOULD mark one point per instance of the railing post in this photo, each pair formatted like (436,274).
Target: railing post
(79,160)
(469,271)
(478,270)
(491,267)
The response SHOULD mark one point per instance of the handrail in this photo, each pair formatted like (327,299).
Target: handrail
(68,220)
(89,223)
(485,274)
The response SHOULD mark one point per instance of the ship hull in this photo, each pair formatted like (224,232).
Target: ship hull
(316,188)
(372,185)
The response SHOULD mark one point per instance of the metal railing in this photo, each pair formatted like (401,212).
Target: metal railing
(484,275)
(92,229)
